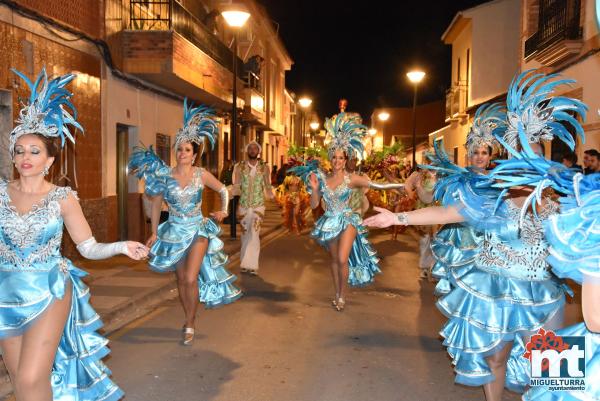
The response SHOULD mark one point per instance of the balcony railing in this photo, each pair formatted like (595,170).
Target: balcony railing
(164,15)
(456,101)
(558,20)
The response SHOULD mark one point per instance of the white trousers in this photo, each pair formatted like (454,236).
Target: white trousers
(251,222)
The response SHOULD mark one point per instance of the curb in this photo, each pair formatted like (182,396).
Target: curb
(138,306)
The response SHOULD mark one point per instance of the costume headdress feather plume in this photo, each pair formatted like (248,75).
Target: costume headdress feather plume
(345,133)
(49,111)
(199,123)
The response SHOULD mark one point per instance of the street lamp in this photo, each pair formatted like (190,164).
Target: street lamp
(383,116)
(304,103)
(372,132)
(314,126)
(415,77)
(236,19)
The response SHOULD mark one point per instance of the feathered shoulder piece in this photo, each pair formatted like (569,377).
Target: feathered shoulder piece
(199,123)
(534,114)
(345,133)
(49,111)
(145,162)
(489,119)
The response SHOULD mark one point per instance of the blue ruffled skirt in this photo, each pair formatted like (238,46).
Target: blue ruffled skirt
(518,369)
(485,311)
(363,260)
(175,236)
(78,373)
(454,246)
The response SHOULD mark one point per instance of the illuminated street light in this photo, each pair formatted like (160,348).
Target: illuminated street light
(305,102)
(372,131)
(314,125)
(235,18)
(415,76)
(383,116)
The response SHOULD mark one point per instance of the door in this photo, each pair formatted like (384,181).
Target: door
(122,181)
(6,168)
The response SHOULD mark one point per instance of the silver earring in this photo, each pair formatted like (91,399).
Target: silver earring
(46,170)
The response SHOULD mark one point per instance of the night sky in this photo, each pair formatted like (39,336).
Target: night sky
(362,50)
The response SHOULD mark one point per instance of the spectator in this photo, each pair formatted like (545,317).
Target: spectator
(281,173)
(570,161)
(591,161)
(274,176)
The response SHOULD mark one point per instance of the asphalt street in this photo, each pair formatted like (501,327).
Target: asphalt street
(283,341)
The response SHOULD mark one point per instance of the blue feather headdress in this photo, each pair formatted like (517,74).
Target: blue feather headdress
(534,115)
(489,119)
(47,112)
(199,123)
(345,133)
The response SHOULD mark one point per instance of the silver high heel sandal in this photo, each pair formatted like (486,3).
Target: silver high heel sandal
(340,304)
(188,336)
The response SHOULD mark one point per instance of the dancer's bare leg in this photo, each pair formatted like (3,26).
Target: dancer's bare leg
(497,363)
(345,246)
(333,250)
(187,280)
(38,346)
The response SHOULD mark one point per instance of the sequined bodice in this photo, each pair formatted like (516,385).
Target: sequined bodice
(33,237)
(337,200)
(184,202)
(522,258)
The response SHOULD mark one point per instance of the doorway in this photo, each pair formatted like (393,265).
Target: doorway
(126,185)
(6,168)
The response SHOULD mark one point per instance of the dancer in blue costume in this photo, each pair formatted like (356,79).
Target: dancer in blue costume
(47,326)
(574,238)
(340,229)
(456,245)
(510,290)
(188,243)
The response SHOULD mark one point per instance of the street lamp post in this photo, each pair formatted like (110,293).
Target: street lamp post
(383,117)
(304,103)
(314,126)
(235,19)
(415,77)
(372,132)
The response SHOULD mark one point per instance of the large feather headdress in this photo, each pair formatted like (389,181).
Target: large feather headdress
(199,123)
(49,110)
(345,133)
(534,115)
(489,118)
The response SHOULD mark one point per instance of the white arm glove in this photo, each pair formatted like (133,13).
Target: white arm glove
(90,249)
(224,199)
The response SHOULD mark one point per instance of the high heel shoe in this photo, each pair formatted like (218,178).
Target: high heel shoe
(188,336)
(340,304)
(334,301)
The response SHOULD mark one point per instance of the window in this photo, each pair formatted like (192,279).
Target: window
(455,154)
(163,147)
(458,72)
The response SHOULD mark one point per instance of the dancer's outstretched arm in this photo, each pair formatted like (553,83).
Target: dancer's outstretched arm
(590,301)
(420,217)
(81,233)
(315,196)
(361,181)
(216,185)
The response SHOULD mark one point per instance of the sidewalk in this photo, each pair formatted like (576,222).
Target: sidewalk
(123,290)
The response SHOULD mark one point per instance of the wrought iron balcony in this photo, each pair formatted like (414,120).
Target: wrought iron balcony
(559,32)
(171,15)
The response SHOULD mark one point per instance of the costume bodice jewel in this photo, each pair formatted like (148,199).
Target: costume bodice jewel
(337,200)
(524,257)
(32,237)
(184,202)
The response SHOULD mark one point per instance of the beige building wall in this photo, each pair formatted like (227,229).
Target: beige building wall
(485,58)
(583,65)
